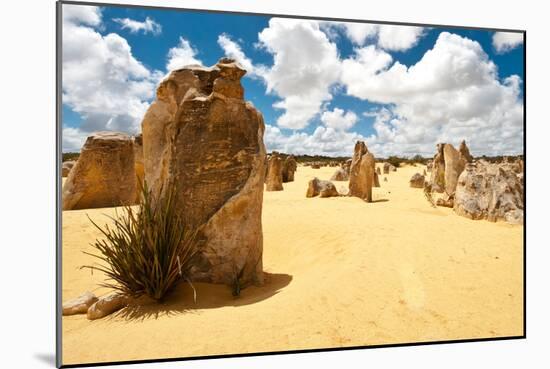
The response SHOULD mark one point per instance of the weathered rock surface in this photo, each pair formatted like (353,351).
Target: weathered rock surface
(490,191)
(106,306)
(417,181)
(274,179)
(389,167)
(80,305)
(447,165)
(464,152)
(344,191)
(104,174)
(437,179)
(454,165)
(376,180)
(138,162)
(378,171)
(340,175)
(200,134)
(321,188)
(361,179)
(66,167)
(445,201)
(429,165)
(289,168)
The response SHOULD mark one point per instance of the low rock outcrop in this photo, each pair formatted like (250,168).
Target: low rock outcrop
(340,175)
(104,174)
(490,191)
(389,168)
(66,167)
(321,188)
(417,181)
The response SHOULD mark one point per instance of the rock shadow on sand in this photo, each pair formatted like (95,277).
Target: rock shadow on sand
(209,296)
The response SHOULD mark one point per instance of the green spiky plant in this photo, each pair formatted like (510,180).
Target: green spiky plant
(146,251)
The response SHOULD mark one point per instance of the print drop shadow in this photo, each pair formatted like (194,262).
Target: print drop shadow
(209,296)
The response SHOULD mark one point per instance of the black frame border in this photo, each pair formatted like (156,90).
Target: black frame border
(58,233)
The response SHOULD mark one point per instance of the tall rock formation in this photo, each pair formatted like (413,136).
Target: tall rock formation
(274,179)
(289,168)
(202,136)
(361,179)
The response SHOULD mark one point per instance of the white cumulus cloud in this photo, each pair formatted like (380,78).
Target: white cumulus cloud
(305,66)
(506,41)
(181,55)
(101,79)
(388,37)
(452,93)
(234,51)
(338,119)
(323,141)
(134,26)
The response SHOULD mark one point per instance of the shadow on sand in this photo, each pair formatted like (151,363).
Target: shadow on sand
(209,296)
(380,200)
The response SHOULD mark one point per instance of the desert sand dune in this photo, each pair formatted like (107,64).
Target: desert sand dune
(341,272)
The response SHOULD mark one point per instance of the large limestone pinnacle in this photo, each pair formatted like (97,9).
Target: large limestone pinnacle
(202,136)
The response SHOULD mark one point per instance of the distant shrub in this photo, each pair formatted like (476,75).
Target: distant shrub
(69,156)
(418,159)
(148,250)
(396,161)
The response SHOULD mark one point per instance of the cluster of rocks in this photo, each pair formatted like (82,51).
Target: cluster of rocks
(477,189)
(491,191)
(93,307)
(361,172)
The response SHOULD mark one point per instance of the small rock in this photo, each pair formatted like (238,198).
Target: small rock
(79,305)
(344,191)
(107,305)
(340,175)
(417,181)
(321,188)
(66,168)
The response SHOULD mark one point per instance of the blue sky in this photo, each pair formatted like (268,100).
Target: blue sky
(414,87)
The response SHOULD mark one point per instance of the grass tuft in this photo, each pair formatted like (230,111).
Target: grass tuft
(147,251)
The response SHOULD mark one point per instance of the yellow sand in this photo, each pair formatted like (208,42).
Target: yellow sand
(342,272)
